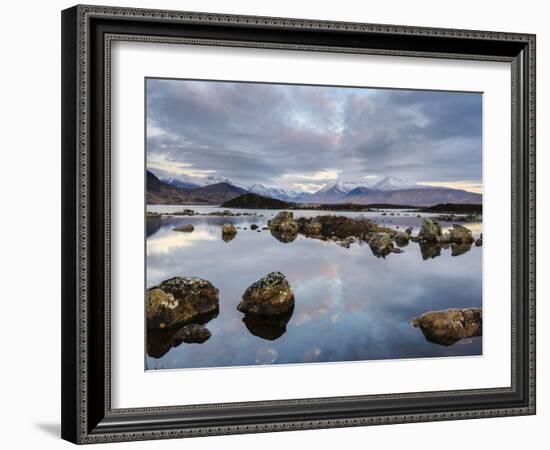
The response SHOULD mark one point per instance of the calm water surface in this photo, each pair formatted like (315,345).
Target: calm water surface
(349,304)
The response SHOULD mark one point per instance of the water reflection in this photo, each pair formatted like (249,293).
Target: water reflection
(350,305)
(160,342)
(267,327)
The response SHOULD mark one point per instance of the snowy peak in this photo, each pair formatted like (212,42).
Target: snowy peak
(276,193)
(394,184)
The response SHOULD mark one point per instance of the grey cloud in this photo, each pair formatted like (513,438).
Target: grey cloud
(252,132)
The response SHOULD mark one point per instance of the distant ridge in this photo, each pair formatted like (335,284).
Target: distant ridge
(256,201)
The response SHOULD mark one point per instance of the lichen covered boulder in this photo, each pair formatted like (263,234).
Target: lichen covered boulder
(269,296)
(380,244)
(180,300)
(451,325)
(430,231)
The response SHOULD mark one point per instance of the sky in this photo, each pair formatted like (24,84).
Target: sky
(302,137)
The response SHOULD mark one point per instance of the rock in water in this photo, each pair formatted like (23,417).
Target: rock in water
(479,241)
(185,228)
(460,235)
(253,226)
(430,231)
(192,334)
(283,227)
(380,244)
(270,296)
(180,300)
(228,231)
(450,326)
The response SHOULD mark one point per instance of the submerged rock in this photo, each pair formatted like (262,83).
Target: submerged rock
(269,296)
(180,300)
(187,228)
(267,327)
(192,334)
(430,231)
(450,326)
(380,244)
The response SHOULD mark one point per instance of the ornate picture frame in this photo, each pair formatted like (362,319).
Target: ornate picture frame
(87,35)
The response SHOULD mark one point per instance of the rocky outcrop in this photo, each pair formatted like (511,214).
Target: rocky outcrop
(430,231)
(269,296)
(380,244)
(450,326)
(179,301)
(187,228)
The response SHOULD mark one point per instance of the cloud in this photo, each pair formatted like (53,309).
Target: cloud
(295,136)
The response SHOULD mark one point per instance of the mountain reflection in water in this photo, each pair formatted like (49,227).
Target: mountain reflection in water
(349,304)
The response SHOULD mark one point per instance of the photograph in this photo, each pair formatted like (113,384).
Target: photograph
(294,224)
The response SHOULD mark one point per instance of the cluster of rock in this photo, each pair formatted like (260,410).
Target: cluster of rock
(459,218)
(450,326)
(176,312)
(178,309)
(432,240)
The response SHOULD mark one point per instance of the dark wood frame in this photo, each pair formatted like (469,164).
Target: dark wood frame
(87,32)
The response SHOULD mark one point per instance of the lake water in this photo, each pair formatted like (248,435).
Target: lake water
(349,304)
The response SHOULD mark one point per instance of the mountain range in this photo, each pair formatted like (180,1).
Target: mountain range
(389,190)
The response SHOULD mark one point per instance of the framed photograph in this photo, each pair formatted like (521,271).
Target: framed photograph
(267,222)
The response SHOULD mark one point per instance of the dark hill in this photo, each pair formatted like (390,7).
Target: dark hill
(456,208)
(160,193)
(255,201)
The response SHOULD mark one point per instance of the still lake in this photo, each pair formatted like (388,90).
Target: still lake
(349,304)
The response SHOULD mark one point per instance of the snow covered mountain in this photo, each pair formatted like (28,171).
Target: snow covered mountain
(279,194)
(394,184)
(189,182)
